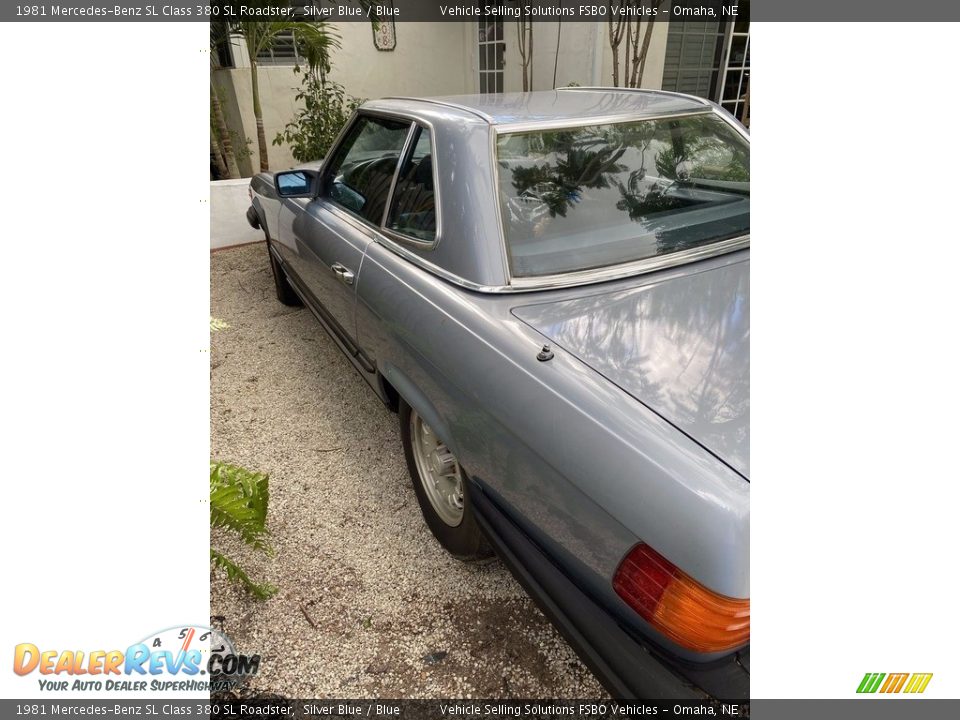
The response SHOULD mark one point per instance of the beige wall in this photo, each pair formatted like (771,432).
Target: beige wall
(429,59)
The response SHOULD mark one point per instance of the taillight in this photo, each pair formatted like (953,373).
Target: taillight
(678,606)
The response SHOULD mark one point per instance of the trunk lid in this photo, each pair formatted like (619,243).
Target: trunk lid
(679,345)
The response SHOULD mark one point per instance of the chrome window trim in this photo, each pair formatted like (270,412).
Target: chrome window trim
(408,147)
(637,267)
(358,223)
(716,107)
(547,282)
(421,262)
(670,93)
(586,277)
(412,242)
(396,173)
(622,270)
(363,222)
(325,168)
(325,165)
(537,125)
(495,173)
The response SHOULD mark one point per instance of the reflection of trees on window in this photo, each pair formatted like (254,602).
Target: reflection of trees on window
(697,151)
(694,156)
(578,195)
(581,162)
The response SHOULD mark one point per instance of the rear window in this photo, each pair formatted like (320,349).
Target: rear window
(590,197)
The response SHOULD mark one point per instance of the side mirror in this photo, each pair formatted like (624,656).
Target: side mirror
(297,183)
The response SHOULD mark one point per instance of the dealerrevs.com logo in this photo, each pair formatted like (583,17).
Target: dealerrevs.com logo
(181,659)
(894,683)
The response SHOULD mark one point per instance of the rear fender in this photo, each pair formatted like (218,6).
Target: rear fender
(417,400)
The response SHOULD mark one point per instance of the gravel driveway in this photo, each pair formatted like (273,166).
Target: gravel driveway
(369,604)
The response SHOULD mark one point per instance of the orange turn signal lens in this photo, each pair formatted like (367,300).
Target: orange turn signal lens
(678,606)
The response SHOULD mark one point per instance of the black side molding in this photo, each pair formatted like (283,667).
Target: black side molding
(327,320)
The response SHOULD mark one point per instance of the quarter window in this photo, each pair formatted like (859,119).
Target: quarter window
(413,211)
(362,167)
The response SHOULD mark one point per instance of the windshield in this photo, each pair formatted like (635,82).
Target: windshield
(589,197)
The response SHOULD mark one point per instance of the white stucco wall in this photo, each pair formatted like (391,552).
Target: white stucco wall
(228,221)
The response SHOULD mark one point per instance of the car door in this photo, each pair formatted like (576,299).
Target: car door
(332,231)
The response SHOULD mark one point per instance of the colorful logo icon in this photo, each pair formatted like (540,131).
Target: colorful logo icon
(180,658)
(894,682)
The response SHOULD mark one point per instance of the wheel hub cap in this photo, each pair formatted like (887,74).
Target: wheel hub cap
(439,472)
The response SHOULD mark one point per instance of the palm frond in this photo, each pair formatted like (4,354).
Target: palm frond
(315,42)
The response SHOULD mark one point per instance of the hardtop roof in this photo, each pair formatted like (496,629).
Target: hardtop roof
(573,104)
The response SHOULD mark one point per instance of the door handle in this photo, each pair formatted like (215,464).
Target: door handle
(342,272)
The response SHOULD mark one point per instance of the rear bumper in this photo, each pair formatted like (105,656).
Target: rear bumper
(628,665)
(253,218)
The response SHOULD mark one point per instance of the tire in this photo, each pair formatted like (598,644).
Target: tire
(285,293)
(458,533)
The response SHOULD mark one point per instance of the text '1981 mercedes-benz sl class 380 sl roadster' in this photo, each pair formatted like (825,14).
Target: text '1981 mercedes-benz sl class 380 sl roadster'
(551,289)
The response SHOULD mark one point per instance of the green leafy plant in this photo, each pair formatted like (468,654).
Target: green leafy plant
(326,109)
(238,502)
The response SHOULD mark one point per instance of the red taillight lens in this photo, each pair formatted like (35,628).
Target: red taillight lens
(678,606)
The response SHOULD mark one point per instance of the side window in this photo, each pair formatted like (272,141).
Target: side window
(362,167)
(413,211)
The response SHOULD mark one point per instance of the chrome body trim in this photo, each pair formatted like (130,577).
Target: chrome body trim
(670,93)
(535,125)
(586,277)
(717,108)
(637,267)
(404,252)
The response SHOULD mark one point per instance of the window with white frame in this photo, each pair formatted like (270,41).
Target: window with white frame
(284,50)
(694,57)
(711,59)
(491,47)
(736,78)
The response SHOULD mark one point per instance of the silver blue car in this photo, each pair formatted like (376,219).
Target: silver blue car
(551,289)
